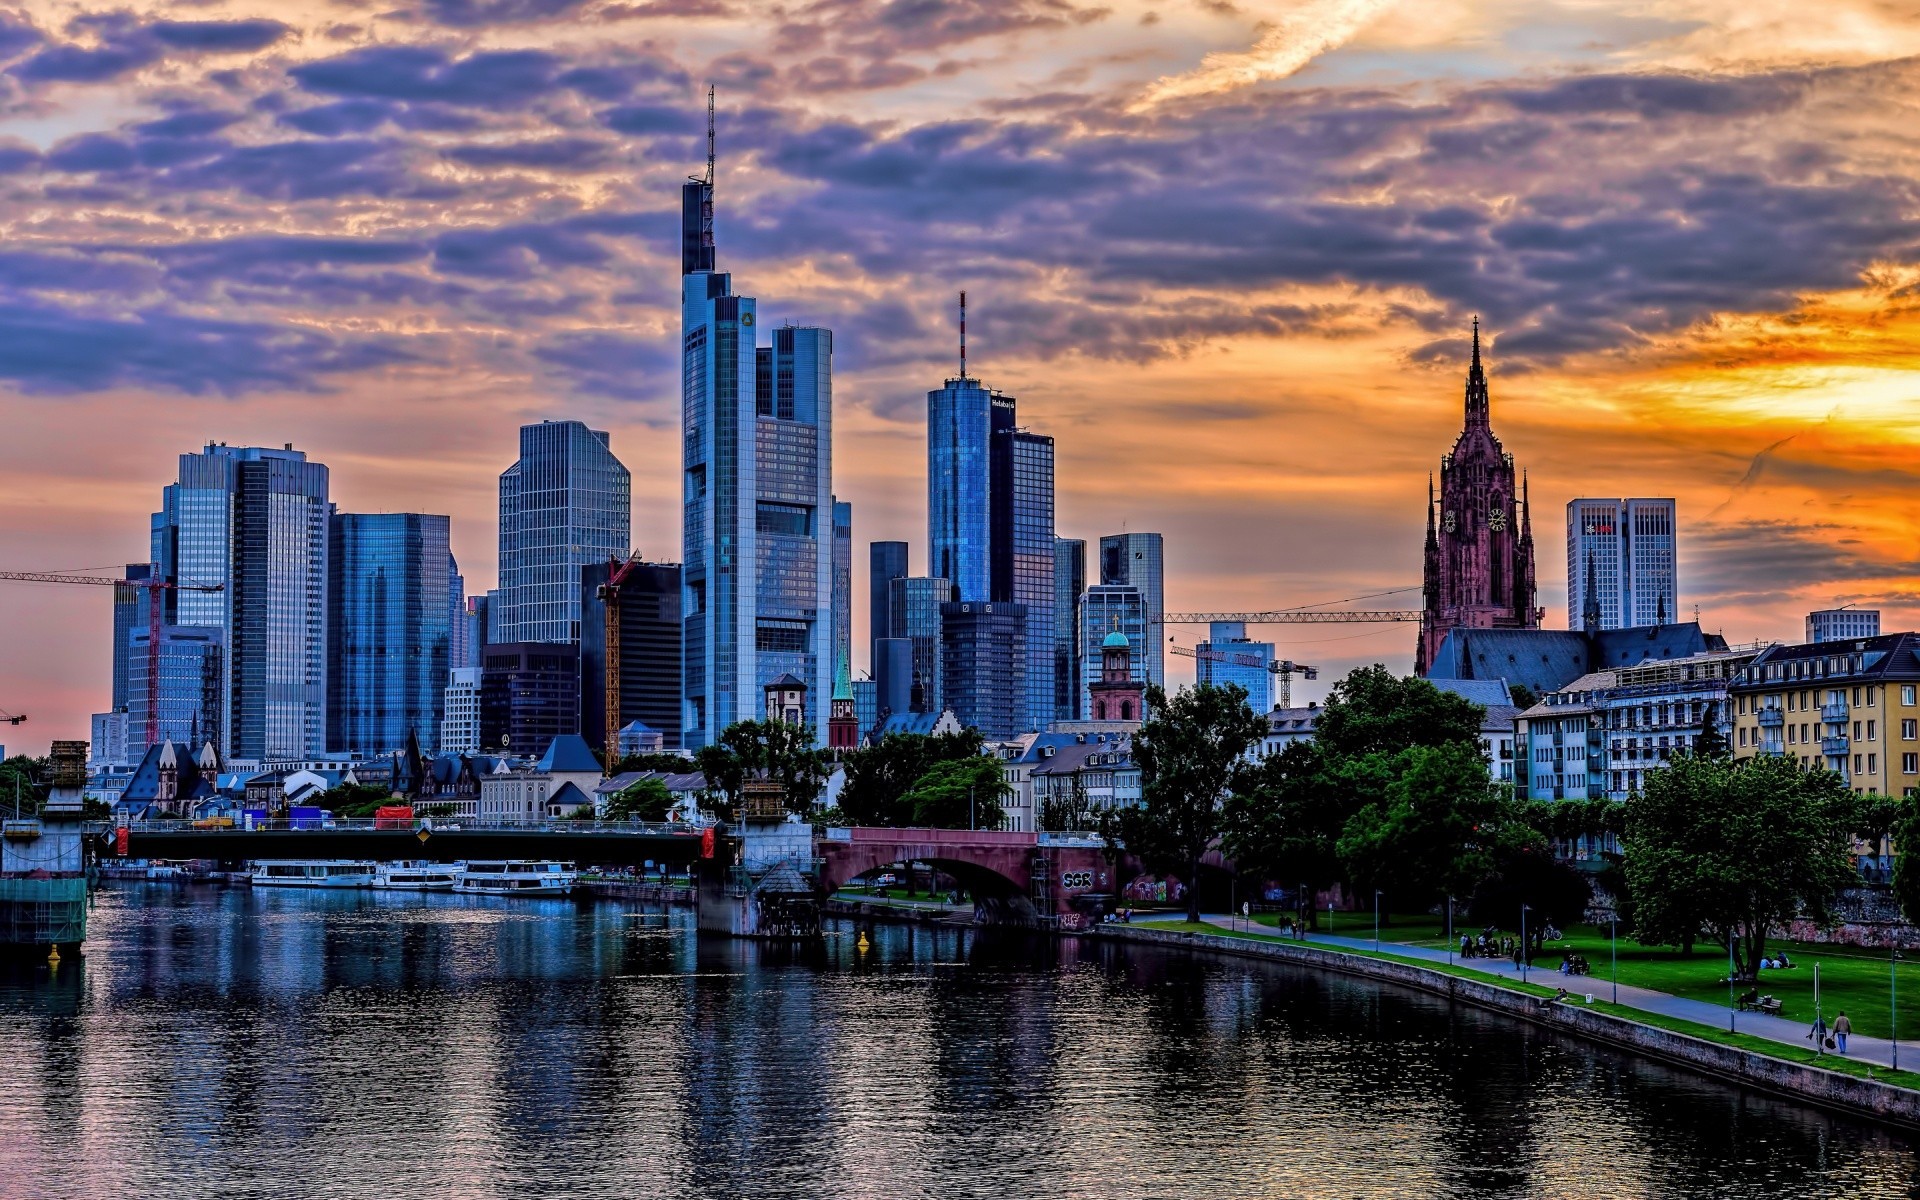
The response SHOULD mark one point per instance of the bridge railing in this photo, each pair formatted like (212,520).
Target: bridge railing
(1077,839)
(688,829)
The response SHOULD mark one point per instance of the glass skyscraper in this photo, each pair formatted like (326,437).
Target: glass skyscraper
(1030,584)
(1234,659)
(255,522)
(565,503)
(916,619)
(390,610)
(1069,583)
(960,419)
(129,613)
(757,456)
(1627,548)
(192,676)
(1139,559)
(1104,609)
(843,587)
(983,660)
(886,562)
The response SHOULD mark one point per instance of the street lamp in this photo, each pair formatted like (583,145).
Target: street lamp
(1524,956)
(1893,994)
(1376,920)
(1732,941)
(1613,943)
(1449,930)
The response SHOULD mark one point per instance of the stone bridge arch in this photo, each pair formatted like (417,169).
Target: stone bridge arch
(997,868)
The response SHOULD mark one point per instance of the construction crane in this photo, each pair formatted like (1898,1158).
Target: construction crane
(1294,616)
(608,594)
(11,718)
(1283,669)
(154,586)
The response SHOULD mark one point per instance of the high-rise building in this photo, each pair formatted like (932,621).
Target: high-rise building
(916,618)
(886,562)
(460,715)
(565,503)
(960,423)
(1624,550)
(1028,573)
(129,611)
(1842,624)
(1479,553)
(254,522)
(866,705)
(757,453)
(389,604)
(459,632)
(649,608)
(1109,608)
(842,593)
(893,678)
(1139,560)
(472,640)
(1069,584)
(1227,656)
(983,648)
(529,695)
(192,676)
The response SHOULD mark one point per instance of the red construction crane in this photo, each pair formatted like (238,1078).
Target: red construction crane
(1284,669)
(153,586)
(608,594)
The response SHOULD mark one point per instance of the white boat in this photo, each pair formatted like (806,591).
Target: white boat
(516,877)
(313,873)
(415,876)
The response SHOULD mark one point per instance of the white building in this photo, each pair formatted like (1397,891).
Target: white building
(520,797)
(1627,550)
(1842,624)
(460,723)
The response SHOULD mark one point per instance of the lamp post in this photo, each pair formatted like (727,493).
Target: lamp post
(1893,995)
(1732,941)
(1449,930)
(1524,956)
(1376,920)
(1613,944)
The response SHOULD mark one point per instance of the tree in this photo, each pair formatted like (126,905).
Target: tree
(1905,828)
(1731,849)
(1435,829)
(354,799)
(1374,710)
(645,800)
(21,788)
(1524,871)
(878,777)
(960,793)
(1284,819)
(1190,754)
(1710,742)
(1523,696)
(666,763)
(1068,813)
(763,750)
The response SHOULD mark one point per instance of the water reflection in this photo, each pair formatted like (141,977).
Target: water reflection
(270,1043)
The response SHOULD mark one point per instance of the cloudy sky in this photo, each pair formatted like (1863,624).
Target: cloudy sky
(1225,251)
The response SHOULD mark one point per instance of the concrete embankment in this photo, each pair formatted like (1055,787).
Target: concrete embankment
(1814,1085)
(860,910)
(627,889)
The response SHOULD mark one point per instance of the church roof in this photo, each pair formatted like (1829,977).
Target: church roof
(1115,641)
(568,753)
(569,793)
(1547,660)
(787,681)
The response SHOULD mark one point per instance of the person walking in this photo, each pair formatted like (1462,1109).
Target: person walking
(1818,1034)
(1841,1028)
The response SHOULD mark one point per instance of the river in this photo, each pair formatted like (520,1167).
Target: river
(236,1043)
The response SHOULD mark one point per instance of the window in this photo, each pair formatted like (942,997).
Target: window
(1909,730)
(1910,764)
(1906,694)
(1872,731)
(771,516)
(1873,763)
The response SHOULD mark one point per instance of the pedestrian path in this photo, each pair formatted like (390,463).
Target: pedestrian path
(1776,1029)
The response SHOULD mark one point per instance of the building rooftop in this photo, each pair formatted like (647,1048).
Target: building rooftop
(568,754)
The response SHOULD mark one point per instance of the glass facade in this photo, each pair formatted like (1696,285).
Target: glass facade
(192,676)
(529,695)
(566,503)
(1628,547)
(1238,661)
(129,612)
(959,504)
(256,522)
(649,606)
(886,562)
(1069,583)
(916,619)
(1032,585)
(391,605)
(983,666)
(842,586)
(1139,560)
(1105,608)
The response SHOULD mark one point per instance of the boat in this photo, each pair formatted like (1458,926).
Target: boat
(313,873)
(517,877)
(421,876)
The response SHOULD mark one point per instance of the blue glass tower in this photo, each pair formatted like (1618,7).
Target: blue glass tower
(959,490)
(565,503)
(389,628)
(757,455)
(1228,657)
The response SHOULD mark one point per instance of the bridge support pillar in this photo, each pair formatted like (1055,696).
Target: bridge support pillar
(767,891)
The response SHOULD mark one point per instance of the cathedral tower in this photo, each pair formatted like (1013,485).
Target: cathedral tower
(1479,554)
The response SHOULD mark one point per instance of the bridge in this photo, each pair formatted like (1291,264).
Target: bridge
(1048,878)
(613,843)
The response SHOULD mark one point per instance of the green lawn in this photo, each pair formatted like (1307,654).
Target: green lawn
(1418,928)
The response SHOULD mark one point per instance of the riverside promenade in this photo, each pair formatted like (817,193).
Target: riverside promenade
(1878,1051)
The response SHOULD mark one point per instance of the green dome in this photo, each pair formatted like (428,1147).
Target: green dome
(1115,641)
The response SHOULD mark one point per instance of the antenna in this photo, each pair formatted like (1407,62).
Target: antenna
(709,135)
(963,335)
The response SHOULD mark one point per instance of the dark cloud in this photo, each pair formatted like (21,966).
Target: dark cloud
(480,13)
(553,154)
(502,79)
(1760,562)
(121,44)
(620,365)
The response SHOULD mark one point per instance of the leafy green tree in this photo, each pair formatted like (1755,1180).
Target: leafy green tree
(1074,811)
(1284,819)
(1524,871)
(763,750)
(1731,849)
(960,793)
(1190,756)
(1710,742)
(21,788)
(354,800)
(1523,696)
(664,763)
(878,777)
(1905,830)
(646,800)
(1435,829)
(1373,710)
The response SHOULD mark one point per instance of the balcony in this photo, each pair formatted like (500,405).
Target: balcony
(1833,712)
(1772,718)
(1833,745)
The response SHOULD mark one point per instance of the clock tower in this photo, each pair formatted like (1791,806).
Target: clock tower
(1479,554)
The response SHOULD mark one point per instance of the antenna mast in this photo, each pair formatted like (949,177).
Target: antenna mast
(963,335)
(709,135)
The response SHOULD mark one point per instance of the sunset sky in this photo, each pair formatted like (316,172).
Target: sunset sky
(1226,253)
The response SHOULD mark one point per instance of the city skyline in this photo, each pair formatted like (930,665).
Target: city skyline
(1278,430)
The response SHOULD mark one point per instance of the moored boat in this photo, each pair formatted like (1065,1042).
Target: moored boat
(517,877)
(410,876)
(312,872)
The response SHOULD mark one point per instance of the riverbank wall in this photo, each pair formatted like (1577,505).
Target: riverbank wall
(860,910)
(624,889)
(1831,1090)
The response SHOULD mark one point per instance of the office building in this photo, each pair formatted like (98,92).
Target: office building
(893,678)
(192,677)
(757,453)
(649,612)
(866,705)
(254,522)
(842,591)
(1138,560)
(1849,707)
(1069,584)
(983,666)
(886,562)
(529,695)
(1622,554)
(129,611)
(916,619)
(1023,572)
(459,632)
(960,426)
(460,712)
(1104,609)
(390,607)
(565,503)
(1478,566)
(471,641)
(1228,657)
(1823,625)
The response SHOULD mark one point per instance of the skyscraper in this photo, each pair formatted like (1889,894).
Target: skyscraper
(565,503)
(460,712)
(1029,569)
(1109,608)
(529,695)
(389,607)
(1139,560)
(129,613)
(459,632)
(842,594)
(192,672)
(983,661)
(916,619)
(960,422)
(1629,549)
(649,605)
(1479,555)
(255,522)
(886,562)
(1069,583)
(1842,624)
(1227,656)
(757,453)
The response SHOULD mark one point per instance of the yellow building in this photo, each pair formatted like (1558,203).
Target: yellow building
(1849,706)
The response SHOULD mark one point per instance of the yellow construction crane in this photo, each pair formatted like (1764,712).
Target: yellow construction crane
(1283,669)
(608,594)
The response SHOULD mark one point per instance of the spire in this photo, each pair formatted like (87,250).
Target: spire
(696,210)
(1526,509)
(842,677)
(1660,610)
(1477,403)
(710,141)
(1590,613)
(963,335)
(1433,536)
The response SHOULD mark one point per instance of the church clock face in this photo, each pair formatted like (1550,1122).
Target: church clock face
(1497,520)
(1449,521)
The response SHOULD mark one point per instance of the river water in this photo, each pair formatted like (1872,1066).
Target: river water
(236,1043)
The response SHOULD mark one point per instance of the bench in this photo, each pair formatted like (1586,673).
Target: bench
(1768,1005)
